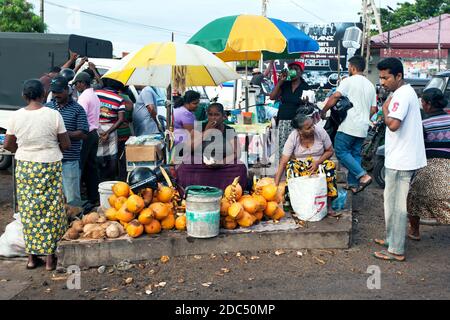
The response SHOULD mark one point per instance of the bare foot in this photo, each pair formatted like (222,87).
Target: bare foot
(365,178)
(51,263)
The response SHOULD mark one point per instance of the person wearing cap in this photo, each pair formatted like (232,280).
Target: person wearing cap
(68,74)
(77,126)
(88,161)
(290,95)
(37,136)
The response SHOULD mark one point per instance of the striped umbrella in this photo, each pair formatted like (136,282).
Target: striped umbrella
(170,63)
(246,37)
(163,63)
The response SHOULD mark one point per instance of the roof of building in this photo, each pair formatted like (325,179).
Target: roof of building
(420,35)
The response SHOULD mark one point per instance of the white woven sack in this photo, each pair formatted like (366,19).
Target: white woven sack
(308,196)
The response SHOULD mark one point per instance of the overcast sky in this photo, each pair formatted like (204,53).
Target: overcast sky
(184,17)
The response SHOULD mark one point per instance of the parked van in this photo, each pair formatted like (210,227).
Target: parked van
(30,55)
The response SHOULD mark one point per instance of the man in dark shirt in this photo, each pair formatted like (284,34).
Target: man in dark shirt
(77,127)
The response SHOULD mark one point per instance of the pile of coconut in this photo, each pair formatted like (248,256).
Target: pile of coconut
(94,226)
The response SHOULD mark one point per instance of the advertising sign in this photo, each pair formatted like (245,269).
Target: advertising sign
(322,66)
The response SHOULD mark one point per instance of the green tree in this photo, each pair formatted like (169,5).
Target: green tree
(18,16)
(409,13)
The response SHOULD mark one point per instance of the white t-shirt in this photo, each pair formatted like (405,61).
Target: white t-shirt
(405,148)
(361,92)
(37,134)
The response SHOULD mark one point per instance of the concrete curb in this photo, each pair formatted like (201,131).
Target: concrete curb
(330,233)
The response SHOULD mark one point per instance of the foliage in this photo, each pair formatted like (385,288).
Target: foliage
(250,64)
(18,16)
(409,13)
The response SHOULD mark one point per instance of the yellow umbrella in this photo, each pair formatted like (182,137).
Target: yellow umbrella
(180,65)
(161,64)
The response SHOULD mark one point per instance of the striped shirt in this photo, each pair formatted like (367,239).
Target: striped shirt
(111,103)
(75,119)
(437,135)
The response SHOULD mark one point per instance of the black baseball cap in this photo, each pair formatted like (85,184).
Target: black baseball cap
(59,84)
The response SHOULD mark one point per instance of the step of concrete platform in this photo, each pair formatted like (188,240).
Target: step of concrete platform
(330,233)
(341,177)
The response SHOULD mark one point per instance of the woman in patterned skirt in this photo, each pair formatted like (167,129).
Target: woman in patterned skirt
(429,195)
(306,148)
(37,136)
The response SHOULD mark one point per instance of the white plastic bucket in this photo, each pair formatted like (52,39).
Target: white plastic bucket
(105,191)
(203,211)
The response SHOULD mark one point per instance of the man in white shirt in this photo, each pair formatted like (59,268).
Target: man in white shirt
(404,154)
(353,130)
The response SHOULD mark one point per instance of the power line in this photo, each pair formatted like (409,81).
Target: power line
(306,10)
(180,33)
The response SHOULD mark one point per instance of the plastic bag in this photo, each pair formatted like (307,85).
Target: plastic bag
(12,243)
(308,196)
(339,202)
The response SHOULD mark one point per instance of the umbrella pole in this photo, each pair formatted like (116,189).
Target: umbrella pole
(169,113)
(247,105)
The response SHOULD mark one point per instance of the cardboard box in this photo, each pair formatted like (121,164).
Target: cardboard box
(138,153)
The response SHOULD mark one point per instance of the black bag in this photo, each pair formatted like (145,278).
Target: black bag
(338,115)
(339,111)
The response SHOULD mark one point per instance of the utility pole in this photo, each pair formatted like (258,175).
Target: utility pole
(42,11)
(264,5)
(370,17)
(439,43)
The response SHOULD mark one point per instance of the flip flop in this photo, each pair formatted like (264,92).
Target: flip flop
(387,256)
(335,214)
(362,186)
(37,263)
(381,242)
(413,237)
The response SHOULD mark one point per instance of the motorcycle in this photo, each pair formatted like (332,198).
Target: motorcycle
(379,169)
(375,139)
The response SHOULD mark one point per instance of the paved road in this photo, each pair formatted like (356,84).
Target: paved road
(315,274)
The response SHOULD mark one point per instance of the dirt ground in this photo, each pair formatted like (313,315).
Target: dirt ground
(285,275)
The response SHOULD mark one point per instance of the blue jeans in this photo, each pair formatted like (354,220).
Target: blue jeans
(71,182)
(395,212)
(348,152)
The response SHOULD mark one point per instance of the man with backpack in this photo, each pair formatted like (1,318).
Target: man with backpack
(353,130)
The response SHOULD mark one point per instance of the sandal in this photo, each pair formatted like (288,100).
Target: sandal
(362,186)
(413,237)
(37,263)
(387,256)
(334,214)
(381,242)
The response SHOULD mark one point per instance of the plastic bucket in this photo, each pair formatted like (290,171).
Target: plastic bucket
(105,191)
(203,211)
